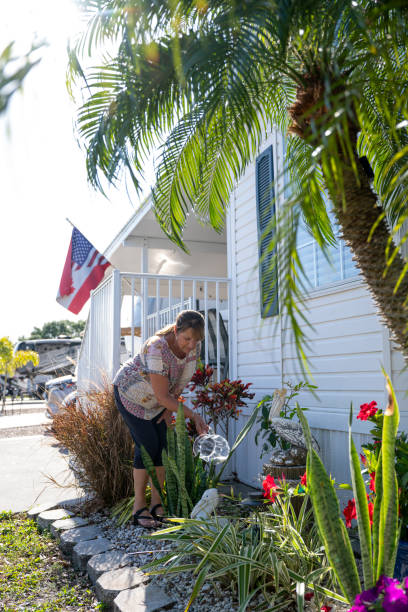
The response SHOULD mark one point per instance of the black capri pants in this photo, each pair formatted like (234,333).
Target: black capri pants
(151,434)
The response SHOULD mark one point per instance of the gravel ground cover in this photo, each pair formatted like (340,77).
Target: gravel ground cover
(214,597)
(35,576)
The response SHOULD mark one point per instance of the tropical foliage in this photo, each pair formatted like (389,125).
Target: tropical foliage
(13,71)
(378,533)
(53,329)
(10,361)
(277,553)
(207,80)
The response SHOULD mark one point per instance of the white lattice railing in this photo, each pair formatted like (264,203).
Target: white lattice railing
(128,308)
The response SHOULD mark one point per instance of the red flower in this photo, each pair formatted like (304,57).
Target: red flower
(326,608)
(350,512)
(303,480)
(270,487)
(367,411)
(309,595)
(372,482)
(363,459)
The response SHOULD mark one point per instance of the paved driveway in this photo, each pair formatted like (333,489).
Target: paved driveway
(26,461)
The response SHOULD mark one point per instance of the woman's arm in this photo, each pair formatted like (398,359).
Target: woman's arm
(160,386)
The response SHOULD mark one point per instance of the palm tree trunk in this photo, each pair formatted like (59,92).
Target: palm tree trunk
(356,221)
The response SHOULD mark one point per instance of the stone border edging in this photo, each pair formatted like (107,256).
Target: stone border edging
(120,586)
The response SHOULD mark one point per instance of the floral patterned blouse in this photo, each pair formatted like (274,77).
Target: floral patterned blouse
(155,357)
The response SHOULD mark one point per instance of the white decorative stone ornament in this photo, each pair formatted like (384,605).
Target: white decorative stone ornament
(206,506)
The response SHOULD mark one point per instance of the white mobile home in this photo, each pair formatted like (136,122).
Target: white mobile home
(154,279)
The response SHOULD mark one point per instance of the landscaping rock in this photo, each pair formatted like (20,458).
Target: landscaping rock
(81,534)
(45,519)
(110,584)
(146,598)
(83,551)
(36,510)
(105,562)
(66,524)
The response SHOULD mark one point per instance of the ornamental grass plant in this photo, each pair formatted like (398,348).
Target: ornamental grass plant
(99,443)
(277,553)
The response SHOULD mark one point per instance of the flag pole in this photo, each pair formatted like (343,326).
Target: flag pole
(66,219)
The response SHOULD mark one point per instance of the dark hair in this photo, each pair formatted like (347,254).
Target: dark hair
(186,319)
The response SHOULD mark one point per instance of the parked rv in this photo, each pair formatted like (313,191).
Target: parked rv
(58,357)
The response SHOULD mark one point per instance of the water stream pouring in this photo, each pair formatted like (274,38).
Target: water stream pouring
(211,447)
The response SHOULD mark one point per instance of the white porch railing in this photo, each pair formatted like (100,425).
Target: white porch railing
(128,308)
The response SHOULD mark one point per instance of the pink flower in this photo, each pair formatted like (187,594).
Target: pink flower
(350,512)
(363,459)
(367,411)
(372,482)
(303,480)
(326,608)
(270,488)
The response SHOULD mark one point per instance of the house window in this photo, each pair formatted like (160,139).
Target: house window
(318,270)
(265,207)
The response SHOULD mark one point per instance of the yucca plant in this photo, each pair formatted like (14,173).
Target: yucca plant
(379,545)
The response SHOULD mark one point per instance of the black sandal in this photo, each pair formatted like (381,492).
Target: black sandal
(137,516)
(158,517)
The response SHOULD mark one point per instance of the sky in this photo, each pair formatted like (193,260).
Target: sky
(43,174)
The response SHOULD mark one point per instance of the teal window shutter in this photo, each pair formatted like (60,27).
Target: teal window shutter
(266,213)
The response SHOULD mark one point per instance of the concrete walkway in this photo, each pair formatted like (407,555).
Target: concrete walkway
(27,462)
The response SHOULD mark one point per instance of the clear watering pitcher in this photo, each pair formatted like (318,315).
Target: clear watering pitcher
(211,447)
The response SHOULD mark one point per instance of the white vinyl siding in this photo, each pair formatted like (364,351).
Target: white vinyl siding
(348,344)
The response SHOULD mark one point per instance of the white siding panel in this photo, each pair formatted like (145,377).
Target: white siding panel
(347,349)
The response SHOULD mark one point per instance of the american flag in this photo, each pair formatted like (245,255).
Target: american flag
(84,269)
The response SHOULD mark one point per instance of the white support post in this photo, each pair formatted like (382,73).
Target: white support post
(132,328)
(194,295)
(116,301)
(206,319)
(217,327)
(170,299)
(182,294)
(145,288)
(157,304)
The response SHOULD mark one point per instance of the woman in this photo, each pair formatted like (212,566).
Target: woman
(146,391)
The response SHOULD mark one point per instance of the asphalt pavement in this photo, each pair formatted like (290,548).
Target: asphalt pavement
(32,462)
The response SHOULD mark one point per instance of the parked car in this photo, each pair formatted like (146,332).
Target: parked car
(56,390)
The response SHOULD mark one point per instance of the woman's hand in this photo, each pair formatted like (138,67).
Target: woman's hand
(201,425)
(167,416)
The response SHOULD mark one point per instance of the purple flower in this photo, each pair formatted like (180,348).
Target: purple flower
(367,597)
(395,599)
(384,582)
(358,608)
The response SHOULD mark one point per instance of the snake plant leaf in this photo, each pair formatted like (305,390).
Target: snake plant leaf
(388,529)
(327,513)
(360,496)
(376,515)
